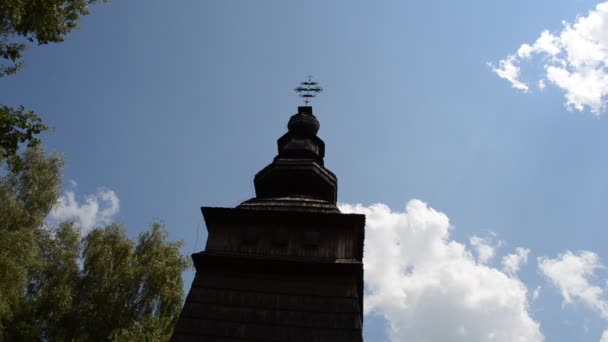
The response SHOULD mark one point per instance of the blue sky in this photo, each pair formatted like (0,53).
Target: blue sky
(160,108)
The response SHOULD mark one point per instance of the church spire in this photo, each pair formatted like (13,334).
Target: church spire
(285,265)
(297,176)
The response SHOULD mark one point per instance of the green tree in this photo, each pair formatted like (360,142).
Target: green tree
(130,291)
(125,291)
(46,308)
(26,197)
(18,126)
(56,285)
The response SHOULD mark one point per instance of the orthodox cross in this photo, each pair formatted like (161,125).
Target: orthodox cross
(307,90)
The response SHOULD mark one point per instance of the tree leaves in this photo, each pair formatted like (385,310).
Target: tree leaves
(18,126)
(26,197)
(126,287)
(56,285)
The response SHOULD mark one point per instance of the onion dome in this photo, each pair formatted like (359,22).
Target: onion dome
(297,177)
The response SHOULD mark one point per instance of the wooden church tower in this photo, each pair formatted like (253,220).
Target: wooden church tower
(285,265)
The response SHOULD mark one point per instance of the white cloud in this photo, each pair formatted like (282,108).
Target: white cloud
(512,263)
(541,84)
(95,210)
(431,288)
(572,275)
(485,251)
(575,60)
(508,69)
(536,292)
(604,337)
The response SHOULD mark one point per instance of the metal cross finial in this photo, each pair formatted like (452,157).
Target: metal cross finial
(308,90)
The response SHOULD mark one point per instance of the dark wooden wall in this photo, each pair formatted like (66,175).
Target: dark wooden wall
(225,306)
(267,276)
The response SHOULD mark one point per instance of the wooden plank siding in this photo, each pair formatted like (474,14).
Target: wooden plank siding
(276,277)
(333,243)
(270,307)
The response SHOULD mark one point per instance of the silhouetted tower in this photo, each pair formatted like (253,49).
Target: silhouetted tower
(285,265)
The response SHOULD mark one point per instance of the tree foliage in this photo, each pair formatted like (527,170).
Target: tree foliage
(18,126)
(26,197)
(56,285)
(131,291)
(45,310)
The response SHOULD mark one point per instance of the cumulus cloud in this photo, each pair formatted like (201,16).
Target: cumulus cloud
(536,292)
(509,69)
(431,288)
(575,60)
(94,210)
(572,274)
(483,247)
(511,263)
(604,336)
